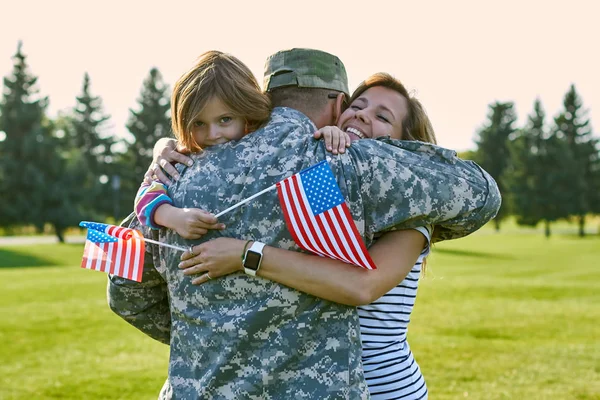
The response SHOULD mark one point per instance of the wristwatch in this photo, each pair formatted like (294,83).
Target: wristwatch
(252,258)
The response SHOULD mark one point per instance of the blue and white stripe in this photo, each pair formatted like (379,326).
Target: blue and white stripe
(390,368)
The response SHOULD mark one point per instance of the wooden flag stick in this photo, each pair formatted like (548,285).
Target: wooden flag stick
(246,200)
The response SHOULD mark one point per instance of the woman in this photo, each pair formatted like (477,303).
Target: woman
(385,297)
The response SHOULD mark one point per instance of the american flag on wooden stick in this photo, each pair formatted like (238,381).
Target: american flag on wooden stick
(318,218)
(113,249)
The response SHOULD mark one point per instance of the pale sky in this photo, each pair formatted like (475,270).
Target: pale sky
(457,56)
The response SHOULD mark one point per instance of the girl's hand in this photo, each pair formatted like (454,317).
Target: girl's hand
(166,153)
(335,139)
(192,223)
(213,259)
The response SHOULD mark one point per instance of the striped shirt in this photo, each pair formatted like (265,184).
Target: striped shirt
(390,368)
(147,200)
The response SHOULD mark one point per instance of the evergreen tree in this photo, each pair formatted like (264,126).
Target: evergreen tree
(492,147)
(151,122)
(36,184)
(65,197)
(94,160)
(147,124)
(86,134)
(23,184)
(536,182)
(573,127)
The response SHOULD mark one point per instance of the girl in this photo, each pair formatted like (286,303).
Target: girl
(218,100)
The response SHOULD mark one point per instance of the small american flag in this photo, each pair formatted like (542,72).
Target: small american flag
(318,218)
(113,249)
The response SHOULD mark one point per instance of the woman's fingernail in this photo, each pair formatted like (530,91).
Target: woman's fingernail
(169,183)
(190,163)
(176,177)
(180,265)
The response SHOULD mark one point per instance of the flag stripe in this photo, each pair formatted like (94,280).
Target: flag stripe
(292,217)
(338,221)
(100,257)
(328,231)
(300,215)
(351,228)
(333,222)
(115,250)
(338,247)
(117,270)
(109,256)
(316,235)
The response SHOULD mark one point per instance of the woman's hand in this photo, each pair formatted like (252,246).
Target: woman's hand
(335,139)
(213,259)
(166,153)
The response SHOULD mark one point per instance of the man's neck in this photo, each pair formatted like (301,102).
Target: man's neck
(319,119)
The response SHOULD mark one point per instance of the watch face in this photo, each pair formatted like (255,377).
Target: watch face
(252,259)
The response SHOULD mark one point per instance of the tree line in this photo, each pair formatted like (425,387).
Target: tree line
(62,170)
(545,172)
(67,169)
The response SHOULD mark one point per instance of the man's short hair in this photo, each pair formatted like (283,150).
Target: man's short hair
(305,69)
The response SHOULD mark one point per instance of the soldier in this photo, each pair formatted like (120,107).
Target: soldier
(245,337)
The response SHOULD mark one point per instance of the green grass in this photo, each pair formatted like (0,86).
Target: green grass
(59,338)
(499,316)
(510,317)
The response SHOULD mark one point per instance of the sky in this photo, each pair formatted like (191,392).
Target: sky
(455,56)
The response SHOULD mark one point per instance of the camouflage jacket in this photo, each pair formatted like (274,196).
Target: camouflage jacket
(247,337)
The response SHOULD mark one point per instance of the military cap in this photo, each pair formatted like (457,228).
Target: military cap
(307,68)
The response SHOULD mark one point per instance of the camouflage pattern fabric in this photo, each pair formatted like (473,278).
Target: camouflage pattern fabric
(305,68)
(243,337)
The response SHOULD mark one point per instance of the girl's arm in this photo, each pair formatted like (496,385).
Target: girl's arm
(336,140)
(395,253)
(150,196)
(154,208)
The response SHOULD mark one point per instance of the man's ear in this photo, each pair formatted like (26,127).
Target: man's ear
(338,107)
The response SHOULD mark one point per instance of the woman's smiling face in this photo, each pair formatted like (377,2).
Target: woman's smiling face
(378,111)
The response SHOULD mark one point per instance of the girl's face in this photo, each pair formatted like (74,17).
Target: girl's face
(216,124)
(378,111)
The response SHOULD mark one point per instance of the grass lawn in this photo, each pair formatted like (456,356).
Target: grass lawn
(499,316)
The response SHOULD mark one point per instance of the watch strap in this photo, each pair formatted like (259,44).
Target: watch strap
(257,247)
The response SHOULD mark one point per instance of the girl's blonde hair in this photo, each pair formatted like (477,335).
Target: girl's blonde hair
(216,75)
(416,125)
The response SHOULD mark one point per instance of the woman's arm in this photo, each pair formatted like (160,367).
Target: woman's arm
(395,253)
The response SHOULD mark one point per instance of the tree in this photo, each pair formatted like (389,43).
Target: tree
(151,122)
(65,198)
(573,127)
(147,124)
(94,157)
(28,134)
(536,182)
(36,183)
(492,147)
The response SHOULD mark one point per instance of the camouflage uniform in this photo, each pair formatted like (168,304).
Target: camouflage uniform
(244,337)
